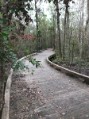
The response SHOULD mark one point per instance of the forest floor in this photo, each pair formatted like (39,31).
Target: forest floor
(81,68)
(47,94)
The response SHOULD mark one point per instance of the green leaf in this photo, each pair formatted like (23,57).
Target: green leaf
(4,34)
(0,15)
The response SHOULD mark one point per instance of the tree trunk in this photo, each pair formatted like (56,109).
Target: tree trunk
(53,40)
(37,28)
(81,28)
(64,36)
(88,10)
(58,29)
(66,32)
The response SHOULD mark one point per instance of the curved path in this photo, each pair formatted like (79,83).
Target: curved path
(48,94)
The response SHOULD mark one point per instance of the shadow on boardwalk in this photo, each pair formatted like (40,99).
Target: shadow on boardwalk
(48,94)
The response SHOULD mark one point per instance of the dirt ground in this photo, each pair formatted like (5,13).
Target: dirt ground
(23,99)
(84,69)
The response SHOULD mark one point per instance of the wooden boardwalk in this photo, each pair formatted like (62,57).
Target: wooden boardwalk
(56,95)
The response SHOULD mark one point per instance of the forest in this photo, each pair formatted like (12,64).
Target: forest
(28,26)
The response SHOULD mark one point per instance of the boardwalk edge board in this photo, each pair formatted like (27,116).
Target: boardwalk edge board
(5,113)
(67,71)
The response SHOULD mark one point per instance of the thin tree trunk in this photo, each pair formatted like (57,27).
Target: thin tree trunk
(64,36)
(87,26)
(73,51)
(88,10)
(81,28)
(70,45)
(66,31)
(37,27)
(53,44)
(58,28)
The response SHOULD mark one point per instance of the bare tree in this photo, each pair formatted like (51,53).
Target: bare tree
(58,27)
(37,27)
